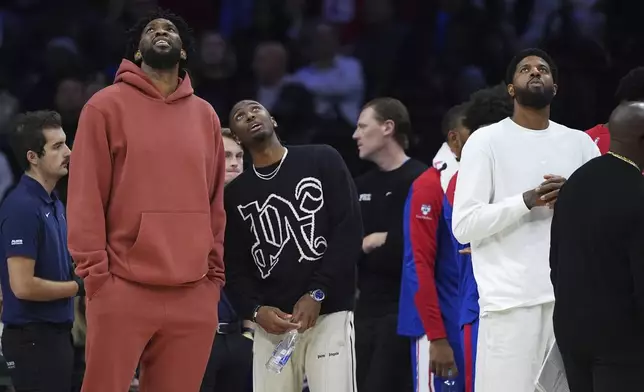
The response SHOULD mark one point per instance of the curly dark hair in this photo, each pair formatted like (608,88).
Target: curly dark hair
(631,86)
(185,32)
(488,106)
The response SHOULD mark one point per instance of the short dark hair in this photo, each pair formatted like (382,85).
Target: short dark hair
(631,86)
(488,106)
(452,117)
(185,32)
(391,109)
(27,134)
(512,67)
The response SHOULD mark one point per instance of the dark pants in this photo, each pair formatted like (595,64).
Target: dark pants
(590,373)
(230,365)
(79,369)
(40,357)
(383,358)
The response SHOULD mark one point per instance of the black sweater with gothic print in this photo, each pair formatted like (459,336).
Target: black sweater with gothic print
(293,229)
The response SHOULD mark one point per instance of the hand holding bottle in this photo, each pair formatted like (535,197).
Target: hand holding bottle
(274,321)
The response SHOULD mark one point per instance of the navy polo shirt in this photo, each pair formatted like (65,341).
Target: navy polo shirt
(33,225)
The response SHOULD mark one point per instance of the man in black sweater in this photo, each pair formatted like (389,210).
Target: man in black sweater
(597,263)
(383,359)
(292,243)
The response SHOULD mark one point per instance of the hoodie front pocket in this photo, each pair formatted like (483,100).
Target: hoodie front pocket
(171,248)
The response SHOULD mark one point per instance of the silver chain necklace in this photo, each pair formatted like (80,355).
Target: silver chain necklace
(272,174)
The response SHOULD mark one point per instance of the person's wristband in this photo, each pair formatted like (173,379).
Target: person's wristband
(255,311)
(81,286)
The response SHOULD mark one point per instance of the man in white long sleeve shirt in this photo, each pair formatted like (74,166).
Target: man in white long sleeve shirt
(510,174)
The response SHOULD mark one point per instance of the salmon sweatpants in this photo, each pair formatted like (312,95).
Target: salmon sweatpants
(168,330)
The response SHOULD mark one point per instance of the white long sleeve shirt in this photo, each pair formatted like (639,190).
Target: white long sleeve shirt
(510,243)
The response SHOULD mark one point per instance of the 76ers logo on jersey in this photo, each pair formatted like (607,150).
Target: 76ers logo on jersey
(278,223)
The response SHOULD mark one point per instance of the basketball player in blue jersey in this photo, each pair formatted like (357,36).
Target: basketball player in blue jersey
(428,310)
(485,107)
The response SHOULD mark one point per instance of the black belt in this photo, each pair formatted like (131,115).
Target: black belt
(229,328)
(39,326)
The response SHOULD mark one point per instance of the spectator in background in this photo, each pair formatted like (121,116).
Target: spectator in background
(62,58)
(378,45)
(444,160)
(215,72)
(230,366)
(146,231)
(9,169)
(35,273)
(382,135)
(631,88)
(508,177)
(335,80)
(95,83)
(290,102)
(69,101)
(270,68)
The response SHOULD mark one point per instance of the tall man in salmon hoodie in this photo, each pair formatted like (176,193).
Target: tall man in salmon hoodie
(146,218)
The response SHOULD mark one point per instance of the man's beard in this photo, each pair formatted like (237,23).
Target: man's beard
(161,61)
(535,99)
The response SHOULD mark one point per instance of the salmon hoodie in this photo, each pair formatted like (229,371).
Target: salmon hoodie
(146,186)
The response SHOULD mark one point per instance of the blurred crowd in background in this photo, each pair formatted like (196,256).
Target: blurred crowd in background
(313,63)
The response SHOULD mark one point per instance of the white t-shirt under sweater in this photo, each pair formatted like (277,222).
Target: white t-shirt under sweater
(446,157)
(510,243)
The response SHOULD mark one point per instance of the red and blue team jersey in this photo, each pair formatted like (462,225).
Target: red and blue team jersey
(429,301)
(469,307)
(467,288)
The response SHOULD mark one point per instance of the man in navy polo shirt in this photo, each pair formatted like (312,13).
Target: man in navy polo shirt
(37,280)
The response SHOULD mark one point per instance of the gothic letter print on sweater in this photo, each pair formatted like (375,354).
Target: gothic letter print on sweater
(277,222)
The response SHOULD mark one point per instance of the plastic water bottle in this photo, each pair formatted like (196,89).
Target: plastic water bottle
(449,385)
(282,352)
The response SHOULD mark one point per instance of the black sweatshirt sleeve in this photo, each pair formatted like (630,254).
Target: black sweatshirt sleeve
(383,258)
(344,245)
(637,266)
(554,248)
(242,284)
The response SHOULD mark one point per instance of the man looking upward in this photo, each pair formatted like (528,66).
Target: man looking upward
(146,218)
(292,244)
(510,173)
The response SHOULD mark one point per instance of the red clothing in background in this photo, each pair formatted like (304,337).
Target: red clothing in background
(601,137)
